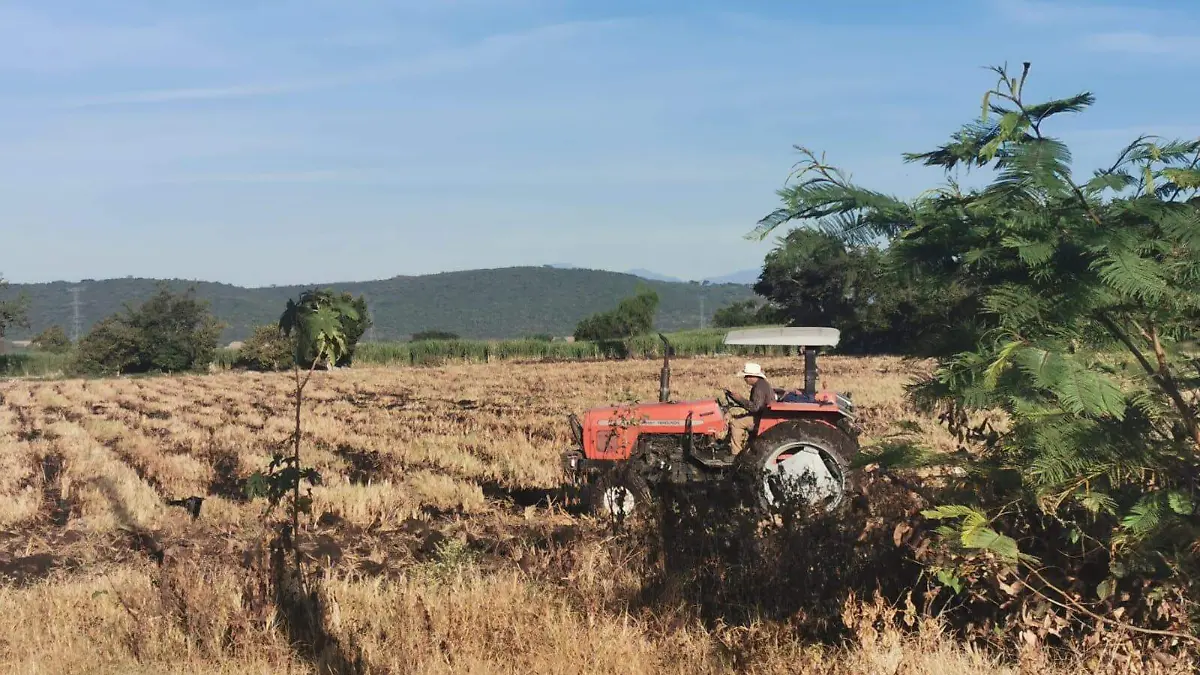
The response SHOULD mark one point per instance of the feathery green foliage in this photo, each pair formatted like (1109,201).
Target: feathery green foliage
(1076,301)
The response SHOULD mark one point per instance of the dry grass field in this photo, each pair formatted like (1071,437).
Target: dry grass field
(442,546)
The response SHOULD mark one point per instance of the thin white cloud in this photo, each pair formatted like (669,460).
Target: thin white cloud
(205,93)
(487,51)
(1051,13)
(1142,43)
(37,42)
(638,171)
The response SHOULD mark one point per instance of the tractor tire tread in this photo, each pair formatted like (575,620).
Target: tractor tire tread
(841,445)
(625,477)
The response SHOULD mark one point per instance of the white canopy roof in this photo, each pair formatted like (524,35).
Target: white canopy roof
(794,337)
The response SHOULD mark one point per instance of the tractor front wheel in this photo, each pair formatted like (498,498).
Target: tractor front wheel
(807,459)
(621,493)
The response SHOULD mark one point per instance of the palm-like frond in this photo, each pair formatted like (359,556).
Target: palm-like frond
(1038,112)
(857,211)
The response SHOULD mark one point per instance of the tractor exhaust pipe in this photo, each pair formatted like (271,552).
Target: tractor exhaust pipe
(810,371)
(664,377)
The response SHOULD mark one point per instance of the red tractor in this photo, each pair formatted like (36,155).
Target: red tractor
(621,453)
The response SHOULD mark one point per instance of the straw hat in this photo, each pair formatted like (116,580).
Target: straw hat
(752,370)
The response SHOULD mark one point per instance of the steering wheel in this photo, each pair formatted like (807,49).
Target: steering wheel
(730,402)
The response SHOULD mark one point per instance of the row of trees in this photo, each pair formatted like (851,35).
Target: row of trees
(174,333)
(1068,304)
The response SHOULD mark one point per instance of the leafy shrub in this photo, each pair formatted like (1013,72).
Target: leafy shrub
(167,333)
(632,316)
(54,340)
(109,348)
(267,349)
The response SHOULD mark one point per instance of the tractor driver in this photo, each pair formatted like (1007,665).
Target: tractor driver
(761,395)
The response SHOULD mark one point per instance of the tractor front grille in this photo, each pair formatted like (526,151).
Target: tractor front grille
(845,405)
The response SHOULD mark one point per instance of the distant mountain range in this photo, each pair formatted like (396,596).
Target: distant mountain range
(743,277)
(489,303)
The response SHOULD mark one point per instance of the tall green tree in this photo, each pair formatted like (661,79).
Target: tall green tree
(1077,298)
(632,316)
(169,332)
(744,313)
(815,277)
(109,348)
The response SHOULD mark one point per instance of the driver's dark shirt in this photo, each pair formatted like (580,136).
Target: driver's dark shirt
(761,395)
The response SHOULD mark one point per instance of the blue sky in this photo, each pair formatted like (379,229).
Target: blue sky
(259,142)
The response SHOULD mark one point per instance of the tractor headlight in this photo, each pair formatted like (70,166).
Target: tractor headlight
(571,460)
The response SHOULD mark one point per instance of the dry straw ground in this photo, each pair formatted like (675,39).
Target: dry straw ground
(443,547)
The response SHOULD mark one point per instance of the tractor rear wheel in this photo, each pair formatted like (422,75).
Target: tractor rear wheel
(805,459)
(621,493)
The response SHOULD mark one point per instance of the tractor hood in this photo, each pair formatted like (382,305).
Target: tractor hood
(651,417)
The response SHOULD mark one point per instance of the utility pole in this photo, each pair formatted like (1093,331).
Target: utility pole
(702,312)
(76,321)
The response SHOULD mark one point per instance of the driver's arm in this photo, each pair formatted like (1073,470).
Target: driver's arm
(738,399)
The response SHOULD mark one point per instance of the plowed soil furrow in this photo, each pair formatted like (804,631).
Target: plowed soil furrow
(57,506)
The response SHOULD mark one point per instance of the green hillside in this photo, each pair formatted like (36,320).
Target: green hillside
(492,303)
